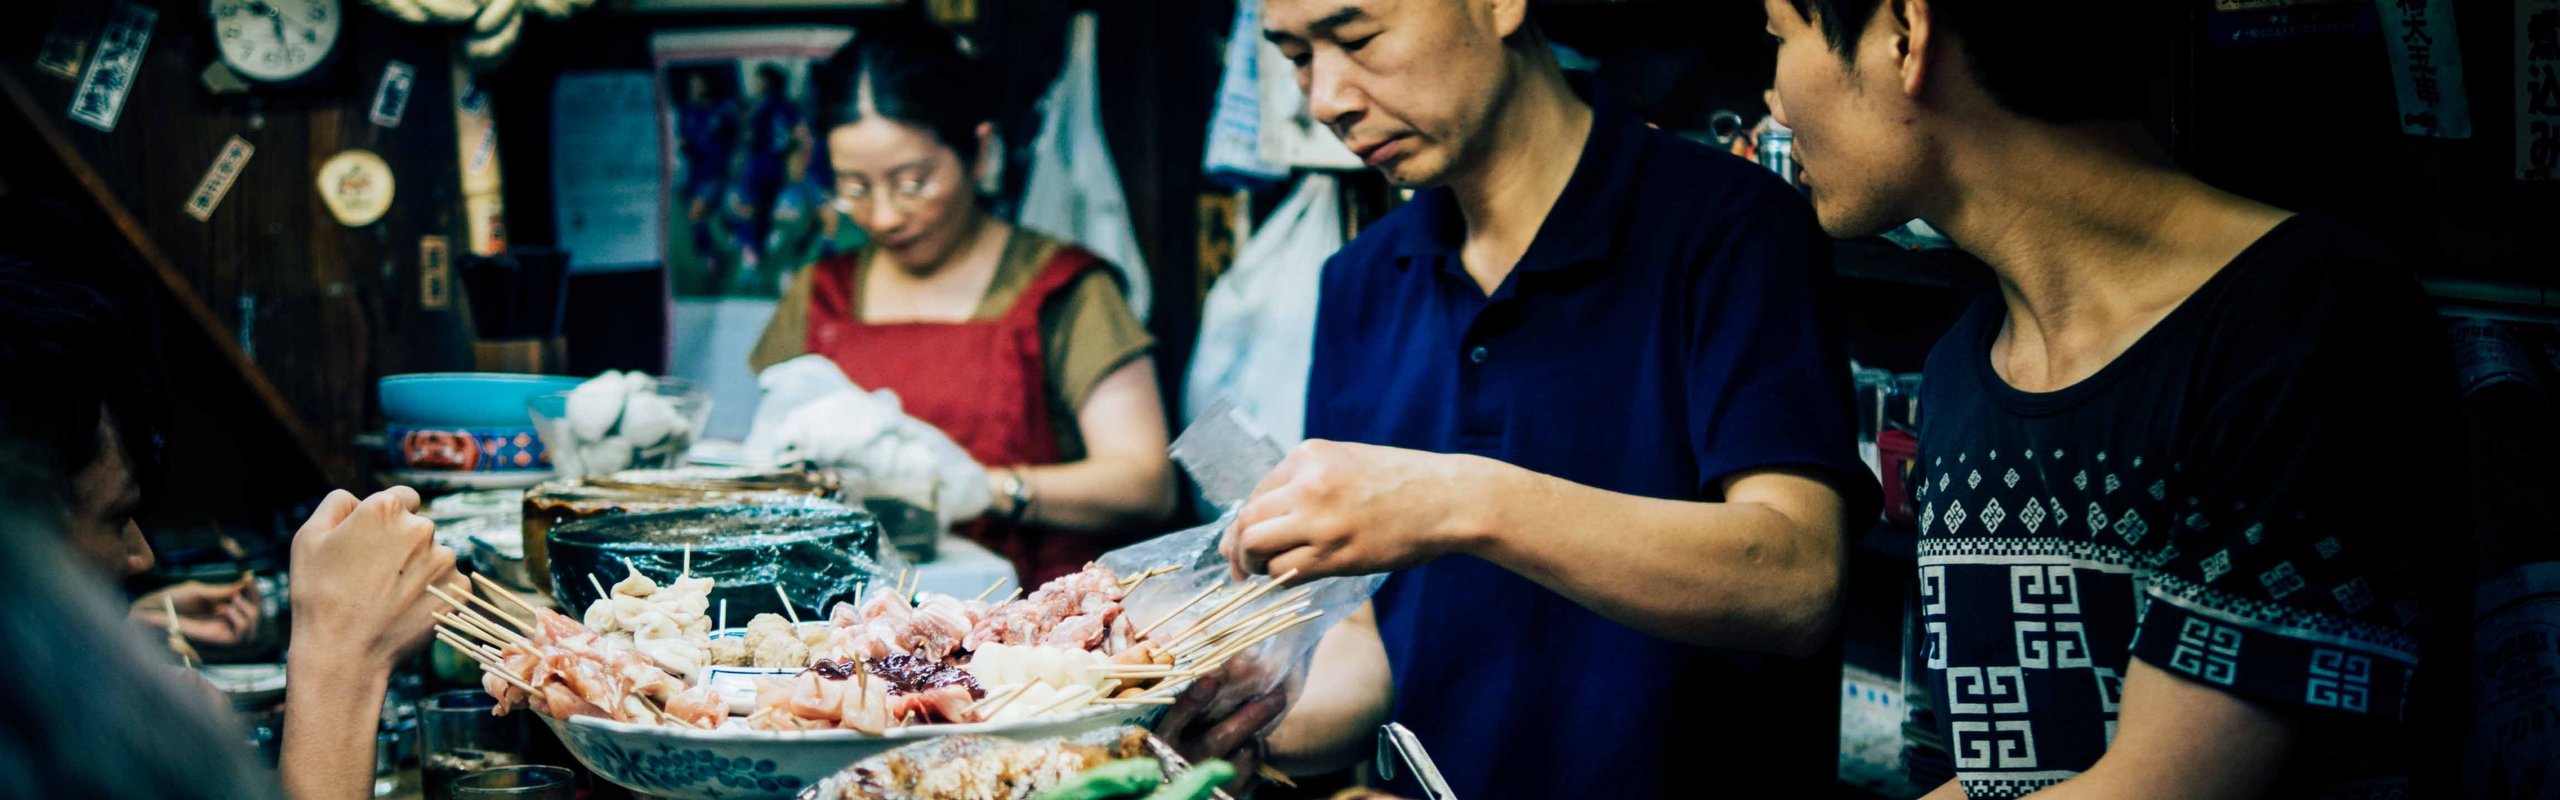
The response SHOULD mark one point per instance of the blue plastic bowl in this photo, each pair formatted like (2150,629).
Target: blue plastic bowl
(465,399)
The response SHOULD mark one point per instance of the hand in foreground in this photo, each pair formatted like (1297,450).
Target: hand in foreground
(1201,729)
(1334,509)
(360,578)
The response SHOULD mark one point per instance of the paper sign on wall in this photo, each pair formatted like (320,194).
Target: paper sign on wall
(112,66)
(435,273)
(217,179)
(2426,63)
(391,98)
(2537,90)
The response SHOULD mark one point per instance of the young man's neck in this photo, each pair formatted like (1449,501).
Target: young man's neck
(2094,237)
(1506,198)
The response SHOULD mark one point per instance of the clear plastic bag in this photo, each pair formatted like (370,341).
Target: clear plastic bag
(1227,455)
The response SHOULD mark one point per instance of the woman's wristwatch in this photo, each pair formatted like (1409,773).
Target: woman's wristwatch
(1018,496)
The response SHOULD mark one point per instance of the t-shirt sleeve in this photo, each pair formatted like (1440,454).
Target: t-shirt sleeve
(786,336)
(1768,372)
(1088,333)
(2316,506)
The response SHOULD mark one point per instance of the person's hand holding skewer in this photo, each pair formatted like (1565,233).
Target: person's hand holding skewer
(361,572)
(214,615)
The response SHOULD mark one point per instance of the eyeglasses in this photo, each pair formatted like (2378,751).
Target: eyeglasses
(855,197)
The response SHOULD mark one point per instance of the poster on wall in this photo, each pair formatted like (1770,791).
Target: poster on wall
(746,203)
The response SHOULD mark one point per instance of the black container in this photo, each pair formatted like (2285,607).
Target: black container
(819,553)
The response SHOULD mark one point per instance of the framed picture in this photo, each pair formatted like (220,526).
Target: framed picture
(748,185)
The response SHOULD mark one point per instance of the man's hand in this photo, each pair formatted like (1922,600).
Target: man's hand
(360,578)
(1200,730)
(210,615)
(1350,509)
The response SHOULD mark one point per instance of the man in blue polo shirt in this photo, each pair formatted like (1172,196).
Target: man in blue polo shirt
(1583,395)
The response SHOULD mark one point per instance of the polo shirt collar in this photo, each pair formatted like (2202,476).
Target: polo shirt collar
(1588,219)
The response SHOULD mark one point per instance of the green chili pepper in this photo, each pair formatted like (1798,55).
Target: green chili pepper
(1203,778)
(1130,777)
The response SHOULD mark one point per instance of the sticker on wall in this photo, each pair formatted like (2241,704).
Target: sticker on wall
(435,273)
(391,99)
(356,186)
(66,45)
(218,178)
(112,64)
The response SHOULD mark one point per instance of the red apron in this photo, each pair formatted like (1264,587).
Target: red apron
(982,382)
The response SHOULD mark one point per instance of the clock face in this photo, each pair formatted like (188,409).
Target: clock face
(275,40)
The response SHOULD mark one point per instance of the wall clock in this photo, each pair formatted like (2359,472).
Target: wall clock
(275,41)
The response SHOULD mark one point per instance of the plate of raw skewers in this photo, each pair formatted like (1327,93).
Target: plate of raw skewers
(649,693)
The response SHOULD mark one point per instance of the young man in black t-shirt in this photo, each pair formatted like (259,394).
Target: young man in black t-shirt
(2187,477)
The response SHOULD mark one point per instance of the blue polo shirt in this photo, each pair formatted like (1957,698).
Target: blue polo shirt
(1669,327)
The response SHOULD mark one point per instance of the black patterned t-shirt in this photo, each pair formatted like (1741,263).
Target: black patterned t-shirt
(2245,499)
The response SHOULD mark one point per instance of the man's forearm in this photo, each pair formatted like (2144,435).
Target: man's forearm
(330,718)
(1760,571)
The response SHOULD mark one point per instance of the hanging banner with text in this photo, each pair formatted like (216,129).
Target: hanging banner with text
(2426,63)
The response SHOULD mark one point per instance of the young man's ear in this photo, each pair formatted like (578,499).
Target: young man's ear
(1510,17)
(1911,26)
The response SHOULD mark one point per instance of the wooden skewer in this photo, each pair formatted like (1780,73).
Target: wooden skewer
(991,589)
(1211,617)
(509,594)
(477,652)
(1230,606)
(601,594)
(178,640)
(786,607)
(1009,697)
(1220,656)
(904,593)
(492,631)
(1287,606)
(1134,701)
(724,613)
(1071,701)
(1009,596)
(510,677)
(1177,611)
(495,612)
(484,631)
(465,609)
(1275,776)
(688,562)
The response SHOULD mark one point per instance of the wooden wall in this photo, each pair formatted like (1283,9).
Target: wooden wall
(280,318)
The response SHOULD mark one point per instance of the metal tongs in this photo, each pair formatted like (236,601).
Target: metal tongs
(1408,749)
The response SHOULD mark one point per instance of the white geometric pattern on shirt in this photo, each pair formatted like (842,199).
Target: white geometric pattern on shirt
(2033,516)
(1954,517)
(1992,516)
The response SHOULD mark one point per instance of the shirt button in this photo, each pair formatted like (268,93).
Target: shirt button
(1478,355)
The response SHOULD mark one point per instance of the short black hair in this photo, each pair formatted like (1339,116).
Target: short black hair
(2060,62)
(76,340)
(917,73)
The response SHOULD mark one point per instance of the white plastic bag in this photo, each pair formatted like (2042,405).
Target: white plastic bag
(1074,193)
(812,413)
(1257,330)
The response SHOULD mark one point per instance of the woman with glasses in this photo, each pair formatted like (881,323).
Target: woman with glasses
(1018,346)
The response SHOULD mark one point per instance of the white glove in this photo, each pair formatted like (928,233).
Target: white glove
(868,435)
